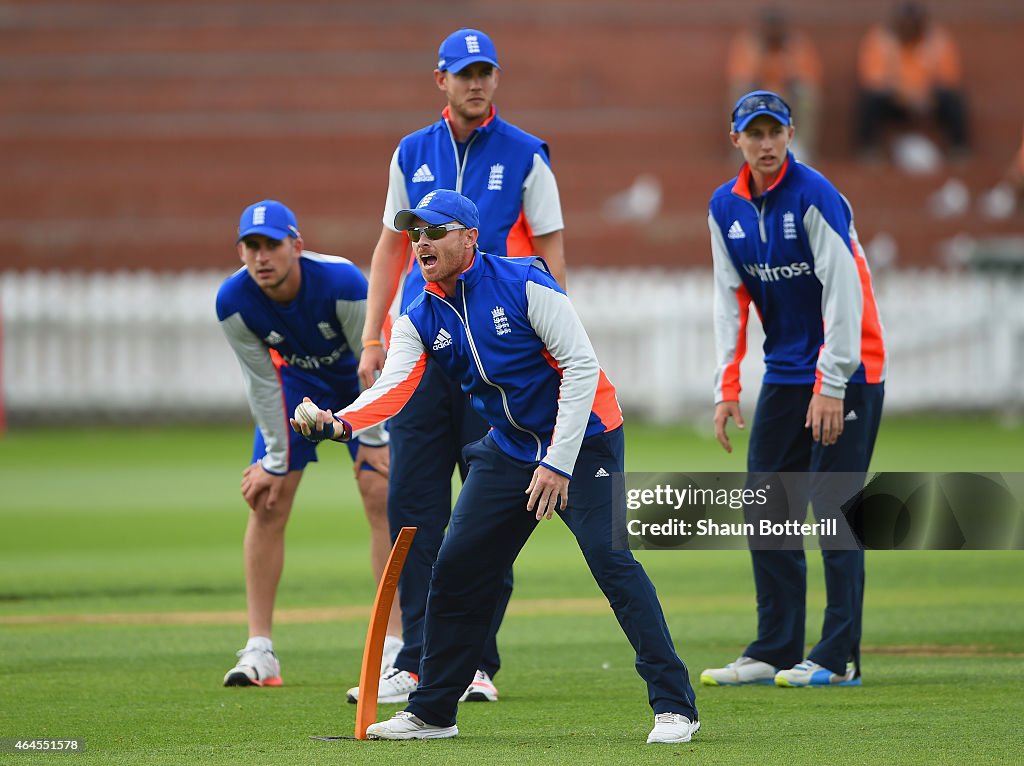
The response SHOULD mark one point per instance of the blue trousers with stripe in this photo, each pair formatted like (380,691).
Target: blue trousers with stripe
(427,439)
(780,443)
(489,526)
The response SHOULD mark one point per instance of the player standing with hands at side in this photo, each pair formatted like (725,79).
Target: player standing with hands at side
(505,330)
(294,320)
(506,172)
(783,238)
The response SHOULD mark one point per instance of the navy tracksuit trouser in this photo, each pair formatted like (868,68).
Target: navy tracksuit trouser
(489,526)
(780,443)
(427,439)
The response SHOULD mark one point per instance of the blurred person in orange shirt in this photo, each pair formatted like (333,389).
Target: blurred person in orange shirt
(775,57)
(909,71)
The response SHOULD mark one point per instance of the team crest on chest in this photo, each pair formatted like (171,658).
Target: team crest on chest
(274,338)
(496,177)
(788,225)
(501,325)
(326,330)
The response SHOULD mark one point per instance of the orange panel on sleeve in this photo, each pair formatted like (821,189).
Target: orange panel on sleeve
(606,404)
(390,403)
(731,375)
(519,242)
(872,344)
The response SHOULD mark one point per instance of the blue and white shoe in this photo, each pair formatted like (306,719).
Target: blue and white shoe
(809,673)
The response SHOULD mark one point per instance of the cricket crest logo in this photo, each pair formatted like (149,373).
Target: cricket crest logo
(501,325)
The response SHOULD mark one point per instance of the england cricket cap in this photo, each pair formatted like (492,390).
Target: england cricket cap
(756,103)
(440,206)
(269,218)
(465,47)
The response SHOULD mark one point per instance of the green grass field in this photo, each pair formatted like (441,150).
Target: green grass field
(122,601)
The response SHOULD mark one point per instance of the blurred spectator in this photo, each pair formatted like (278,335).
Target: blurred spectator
(775,57)
(909,74)
(1001,200)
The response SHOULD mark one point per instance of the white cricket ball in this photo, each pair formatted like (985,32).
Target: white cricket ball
(306,412)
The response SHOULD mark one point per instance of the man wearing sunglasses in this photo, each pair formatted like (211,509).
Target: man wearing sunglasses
(507,173)
(505,330)
(294,319)
(783,238)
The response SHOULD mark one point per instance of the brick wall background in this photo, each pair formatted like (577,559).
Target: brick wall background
(132,133)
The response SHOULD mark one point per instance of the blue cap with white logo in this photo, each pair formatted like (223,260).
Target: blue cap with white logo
(440,206)
(465,47)
(759,102)
(269,218)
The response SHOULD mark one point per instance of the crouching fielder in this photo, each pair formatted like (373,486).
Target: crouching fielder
(506,330)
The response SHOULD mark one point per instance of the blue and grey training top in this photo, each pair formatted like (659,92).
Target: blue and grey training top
(312,343)
(794,253)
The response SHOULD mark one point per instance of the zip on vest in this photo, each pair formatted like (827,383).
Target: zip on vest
(460,165)
(483,373)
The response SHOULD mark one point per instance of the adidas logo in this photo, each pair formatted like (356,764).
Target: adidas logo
(422,174)
(851,415)
(601,472)
(443,340)
(736,231)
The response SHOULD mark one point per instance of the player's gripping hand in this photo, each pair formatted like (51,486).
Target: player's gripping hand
(371,362)
(260,488)
(316,424)
(548,491)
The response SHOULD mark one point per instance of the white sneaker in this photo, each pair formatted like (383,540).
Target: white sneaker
(255,667)
(392,646)
(672,727)
(809,673)
(481,690)
(745,670)
(394,686)
(404,725)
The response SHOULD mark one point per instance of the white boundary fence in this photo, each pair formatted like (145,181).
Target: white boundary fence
(130,344)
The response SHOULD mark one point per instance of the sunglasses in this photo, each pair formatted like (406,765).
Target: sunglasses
(759,102)
(435,232)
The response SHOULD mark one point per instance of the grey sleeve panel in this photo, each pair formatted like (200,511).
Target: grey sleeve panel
(352,315)
(542,205)
(842,303)
(557,324)
(727,319)
(263,390)
(398,194)
(403,368)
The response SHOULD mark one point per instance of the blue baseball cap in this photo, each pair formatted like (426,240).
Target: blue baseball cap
(759,102)
(464,47)
(441,206)
(269,218)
